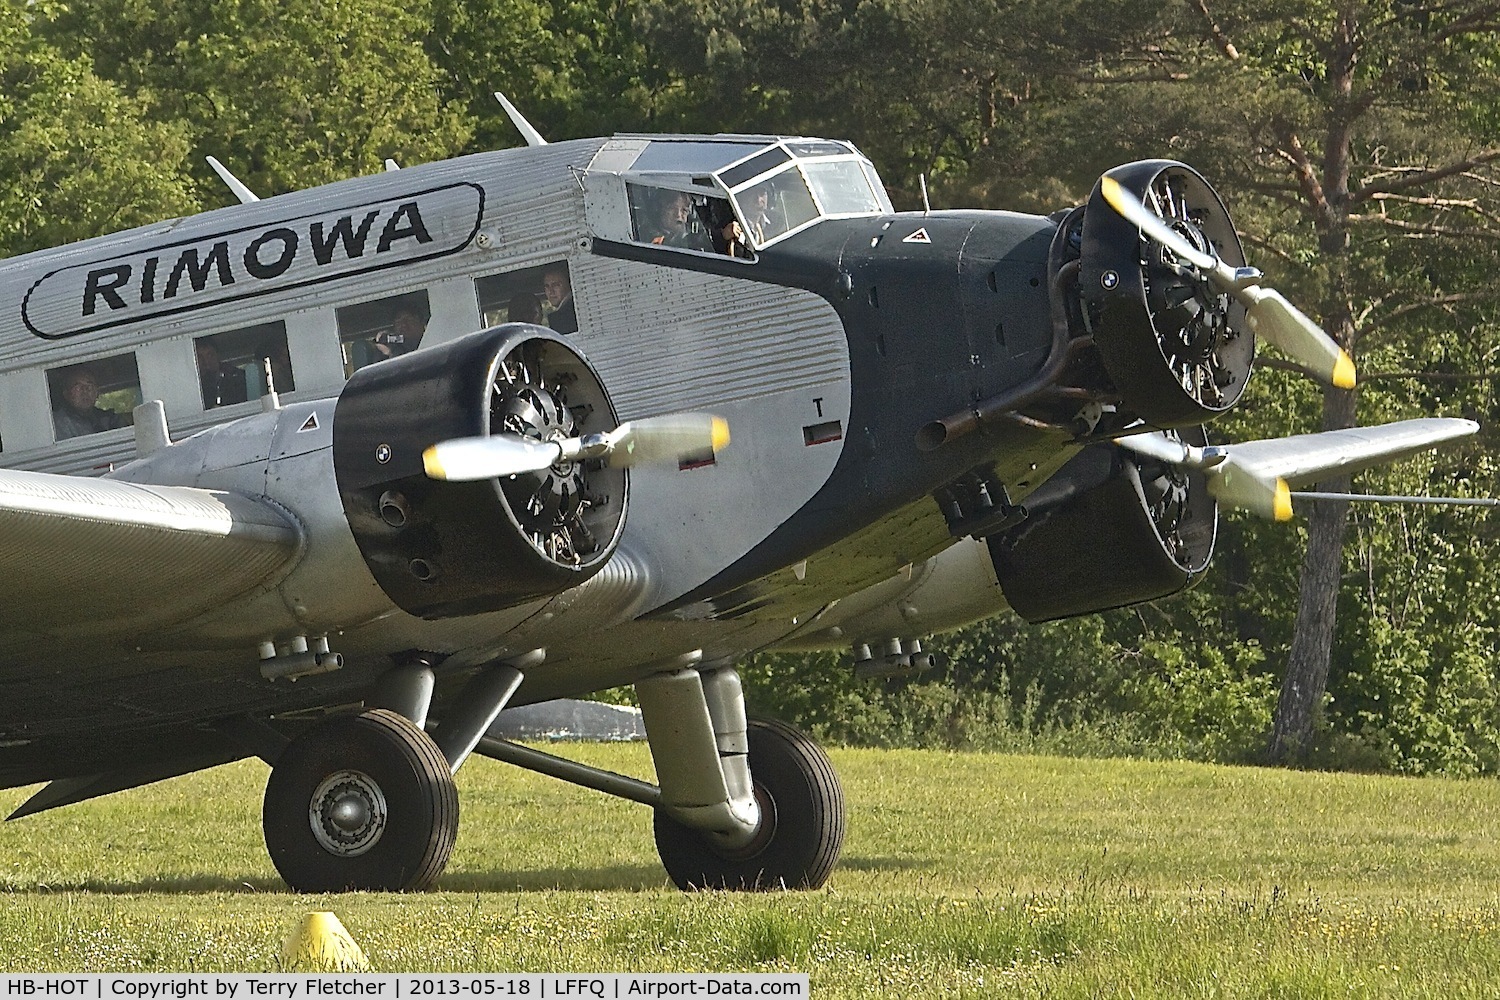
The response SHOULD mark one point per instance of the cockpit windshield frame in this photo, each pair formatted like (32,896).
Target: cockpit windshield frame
(798,196)
(775,191)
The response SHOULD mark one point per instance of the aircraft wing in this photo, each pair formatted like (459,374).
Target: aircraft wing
(1307,458)
(84,556)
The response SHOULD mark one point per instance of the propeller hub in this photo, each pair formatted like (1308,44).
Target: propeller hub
(550,501)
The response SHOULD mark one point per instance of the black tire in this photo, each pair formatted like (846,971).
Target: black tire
(802,822)
(397,799)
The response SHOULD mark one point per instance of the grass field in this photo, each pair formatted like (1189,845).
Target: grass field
(963,875)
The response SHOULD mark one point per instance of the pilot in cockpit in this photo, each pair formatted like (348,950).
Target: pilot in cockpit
(674,224)
(758,213)
(727,234)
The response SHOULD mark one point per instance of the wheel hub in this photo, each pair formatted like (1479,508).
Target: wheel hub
(764,830)
(347,813)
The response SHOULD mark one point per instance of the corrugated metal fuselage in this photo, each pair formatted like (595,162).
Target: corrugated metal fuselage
(826,355)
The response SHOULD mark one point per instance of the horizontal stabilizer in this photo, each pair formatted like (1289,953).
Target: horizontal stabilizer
(529,133)
(243,193)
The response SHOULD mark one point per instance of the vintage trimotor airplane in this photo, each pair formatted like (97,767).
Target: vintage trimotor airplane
(403,502)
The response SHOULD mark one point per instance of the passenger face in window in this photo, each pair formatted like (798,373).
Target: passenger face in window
(404,336)
(76,413)
(408,324)
(673,224)
(524,308)
(555,286)
(81,391)
(562,314)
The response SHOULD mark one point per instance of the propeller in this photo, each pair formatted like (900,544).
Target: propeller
(1270,315)
(651,439)
(1257,475)
(1230,481)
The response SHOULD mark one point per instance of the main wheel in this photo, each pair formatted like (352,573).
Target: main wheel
(361,802)
(802,822)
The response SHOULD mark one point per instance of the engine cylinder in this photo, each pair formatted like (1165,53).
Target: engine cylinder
(440,549)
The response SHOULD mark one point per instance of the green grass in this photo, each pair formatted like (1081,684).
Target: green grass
(963,875)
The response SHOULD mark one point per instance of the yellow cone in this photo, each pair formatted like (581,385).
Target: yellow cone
(321,944)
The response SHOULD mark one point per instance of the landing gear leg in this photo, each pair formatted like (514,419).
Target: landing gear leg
(361,802)
(745,804)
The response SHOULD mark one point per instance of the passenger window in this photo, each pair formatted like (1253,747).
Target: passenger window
(94,396)
(686,221)
(541,295)
(383,328)
(240,365)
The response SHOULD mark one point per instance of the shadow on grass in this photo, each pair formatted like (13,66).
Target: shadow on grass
(616,878)
(637,878)
(882,864)
(187,885)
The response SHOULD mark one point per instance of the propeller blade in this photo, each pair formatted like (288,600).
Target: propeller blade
(1288,329)
(1137,214)
(1231,482)
(499,455)
(668,438)
(1170,449)
(1236,485)
(1257,475)
(1270,315)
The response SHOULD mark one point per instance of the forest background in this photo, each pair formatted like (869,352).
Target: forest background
(1355,142)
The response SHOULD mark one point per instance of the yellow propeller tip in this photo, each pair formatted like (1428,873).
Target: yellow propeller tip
(1343,371)
(1110,189)
(720,433)
(1281,506)
(432,465)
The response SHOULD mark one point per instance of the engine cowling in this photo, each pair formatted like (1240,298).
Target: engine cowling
(1178,349)
(1108,530)
(440,549)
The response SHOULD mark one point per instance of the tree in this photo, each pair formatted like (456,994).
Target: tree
(78,155)
(288,94)
(1371,146)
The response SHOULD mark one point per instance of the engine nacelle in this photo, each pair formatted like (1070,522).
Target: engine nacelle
(1108,530)
(440,549)
(1177,348)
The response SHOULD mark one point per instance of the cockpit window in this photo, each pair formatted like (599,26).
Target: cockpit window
(685,221)
(758,164)
(773,189)
(691,157)
(812,179)
(776,205)
(841,187)
(817,147)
